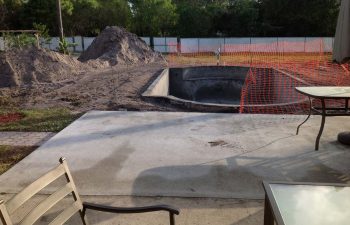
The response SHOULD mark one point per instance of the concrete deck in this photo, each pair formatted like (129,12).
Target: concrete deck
(187,154)
(193,211)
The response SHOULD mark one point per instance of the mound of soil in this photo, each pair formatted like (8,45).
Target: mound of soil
(32,65)
(115,46)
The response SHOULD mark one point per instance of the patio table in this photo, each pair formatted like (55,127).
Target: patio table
(306,204)
(323,94)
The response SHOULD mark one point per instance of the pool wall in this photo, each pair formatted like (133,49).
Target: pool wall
(216,85)
(213,89)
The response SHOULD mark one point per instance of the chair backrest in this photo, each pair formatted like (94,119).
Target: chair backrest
(10,207)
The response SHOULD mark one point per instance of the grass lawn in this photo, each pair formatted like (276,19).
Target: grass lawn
(36,120)
(10,155)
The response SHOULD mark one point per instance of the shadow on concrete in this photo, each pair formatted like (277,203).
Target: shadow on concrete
(215,181)
(234,180)
(252,219)
(104,171)
(212,181)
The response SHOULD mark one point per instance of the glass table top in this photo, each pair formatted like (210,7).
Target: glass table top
(312,205)
(329,92)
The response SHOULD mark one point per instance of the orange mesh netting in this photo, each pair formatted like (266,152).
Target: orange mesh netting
(275,69)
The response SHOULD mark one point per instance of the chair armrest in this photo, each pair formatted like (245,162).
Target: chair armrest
(111,209)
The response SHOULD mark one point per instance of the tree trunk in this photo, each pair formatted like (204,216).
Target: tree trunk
(59,19)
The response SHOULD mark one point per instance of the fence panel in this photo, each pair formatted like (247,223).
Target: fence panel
(189,45)
(45,44)
(54,44)
(78,40)
(147,40)
(159,44)
(210,44)
(291,44)
(171,43)
(264,45)
(237,45)
(328,44)
(226,45)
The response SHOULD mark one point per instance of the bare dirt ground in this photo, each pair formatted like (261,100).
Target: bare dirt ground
(110,75)
(114,88)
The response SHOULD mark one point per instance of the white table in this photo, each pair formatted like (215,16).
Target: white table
(323,94)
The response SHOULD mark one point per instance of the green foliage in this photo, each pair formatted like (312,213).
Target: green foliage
(18,41)
(89,17)
(44,12)
(184,18)
(64,45)
(299,17)
(153,17)
(194,20)
(3,12)
(13,40)
(241,18)
(43,33)
(40,120)
(9,12)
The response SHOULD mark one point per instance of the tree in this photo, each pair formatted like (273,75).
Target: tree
(3,13)
(194,18)
(44,12)
(185,18)
(79,22)
(9,11)
(299,17)
(193,21)
(89,17)
(153,17)
(240,18)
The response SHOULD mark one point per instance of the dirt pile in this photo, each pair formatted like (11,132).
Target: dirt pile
(117,46)
(32,65)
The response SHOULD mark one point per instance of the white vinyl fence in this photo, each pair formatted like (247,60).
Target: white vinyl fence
(197,45)
(275,44)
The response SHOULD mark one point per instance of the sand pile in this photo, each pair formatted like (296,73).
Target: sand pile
(117,46)
(31,65)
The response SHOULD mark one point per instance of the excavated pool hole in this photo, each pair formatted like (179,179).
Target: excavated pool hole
(219,88)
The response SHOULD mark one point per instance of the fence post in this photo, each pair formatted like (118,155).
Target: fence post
(82,43)
(224,48)
(151,42)
(74,49)
(198,45)
(178,40)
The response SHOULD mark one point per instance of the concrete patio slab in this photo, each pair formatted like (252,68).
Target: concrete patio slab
(187,154)
(193,211)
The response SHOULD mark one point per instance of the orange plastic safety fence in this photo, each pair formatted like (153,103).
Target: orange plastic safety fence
(275,69)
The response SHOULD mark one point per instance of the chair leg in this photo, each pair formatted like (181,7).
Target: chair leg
(172,218)
(83,216)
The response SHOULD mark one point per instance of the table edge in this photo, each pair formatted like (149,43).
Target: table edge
(273,203)
(317,96)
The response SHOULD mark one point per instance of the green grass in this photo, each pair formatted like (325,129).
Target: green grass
(10,155)
(39,120)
